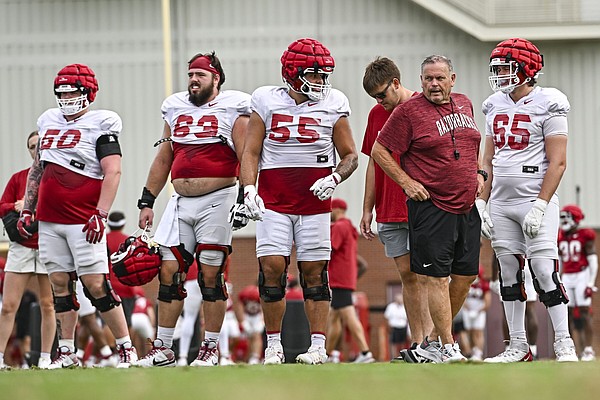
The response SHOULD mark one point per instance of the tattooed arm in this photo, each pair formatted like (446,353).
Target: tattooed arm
(33,181)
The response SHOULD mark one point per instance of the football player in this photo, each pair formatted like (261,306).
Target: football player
(202,141)
(292,139)
(73,181)
(525,152)
(577,249)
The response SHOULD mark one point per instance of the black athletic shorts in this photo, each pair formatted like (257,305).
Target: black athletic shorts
(442,243)
(341,298)
(398,335)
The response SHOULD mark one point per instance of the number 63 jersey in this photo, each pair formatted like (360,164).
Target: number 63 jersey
(518,130)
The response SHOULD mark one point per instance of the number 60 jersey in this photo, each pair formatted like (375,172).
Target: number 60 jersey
(518,131)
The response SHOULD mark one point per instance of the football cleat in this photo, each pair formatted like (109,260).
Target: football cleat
(314,355)
(127,355)
(515,352)
(274,355)
(208,356)
(588,354)
(364,358)
(65,359)
(159,356)
(226,361)
(565,350)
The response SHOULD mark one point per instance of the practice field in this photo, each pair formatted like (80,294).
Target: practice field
(537,380)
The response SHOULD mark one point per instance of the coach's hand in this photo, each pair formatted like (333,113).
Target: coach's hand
(95,226)
(24,223)
(589,291)
(533,219)
(254,204)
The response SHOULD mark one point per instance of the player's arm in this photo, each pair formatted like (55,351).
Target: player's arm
(255,135)
(161,165)
(556,153)
(33,181)
(344,144)
(238,134)
(486,165)
(111,168)
(413,189)
(592,259)
(368,202)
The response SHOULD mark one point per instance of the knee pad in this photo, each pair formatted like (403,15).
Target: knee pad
(515,291)
(272,294)
(219,292)
(107,302)
(315,293)
(556,293)
(184,259)
(168,293)
(68,302)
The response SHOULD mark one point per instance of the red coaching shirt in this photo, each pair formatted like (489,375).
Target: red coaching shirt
(342,268)
(421,133)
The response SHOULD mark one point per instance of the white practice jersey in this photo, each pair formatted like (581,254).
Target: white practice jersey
(519,131)
(210,123)
(72,144)
(298,135)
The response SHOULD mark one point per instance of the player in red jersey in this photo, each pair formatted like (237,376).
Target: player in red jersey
(577,251)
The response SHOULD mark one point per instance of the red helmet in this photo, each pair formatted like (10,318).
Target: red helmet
(137,261)
(71,78)
(307,56)
(570,217)
(524,60)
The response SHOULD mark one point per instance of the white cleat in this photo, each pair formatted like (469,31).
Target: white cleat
(565,350)
(208,356)
(314,355)
(274,355)
(362,358)
(588,354)
(516,352)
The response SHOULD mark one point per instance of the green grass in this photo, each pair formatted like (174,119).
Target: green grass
(539,380)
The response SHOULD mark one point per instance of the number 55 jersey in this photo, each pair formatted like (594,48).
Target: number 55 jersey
(518,130)
(298,147)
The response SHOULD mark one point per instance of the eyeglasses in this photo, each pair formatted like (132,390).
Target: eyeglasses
(381,95)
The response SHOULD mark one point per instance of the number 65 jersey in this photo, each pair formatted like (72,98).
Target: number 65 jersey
(518,131)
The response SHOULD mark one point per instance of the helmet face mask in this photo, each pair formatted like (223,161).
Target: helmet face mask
(570,217)
(505,75)
(304,57)
(71,105)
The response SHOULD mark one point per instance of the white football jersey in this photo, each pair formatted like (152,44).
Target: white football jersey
(298,135)
(210,123)
(518,131)
(72,144)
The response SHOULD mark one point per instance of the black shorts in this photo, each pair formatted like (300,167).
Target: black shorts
(398,335)
(23,315)
(341,298)
(128,305)
(442,243)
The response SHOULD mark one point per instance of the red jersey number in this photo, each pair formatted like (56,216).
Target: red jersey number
(282,134)
(63,140)
(518,139)
(209,126)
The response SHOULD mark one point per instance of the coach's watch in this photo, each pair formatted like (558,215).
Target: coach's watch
(483,173)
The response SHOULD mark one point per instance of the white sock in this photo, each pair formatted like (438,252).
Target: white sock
(68,343)
(515,319)
(317,340)
(211,338)
(166,335)
(274,339)
(560,323)
(105,351)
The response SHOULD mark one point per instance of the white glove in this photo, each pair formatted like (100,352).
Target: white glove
(533,219)
(253,202)
(495,287)
(486,221)
(323,188)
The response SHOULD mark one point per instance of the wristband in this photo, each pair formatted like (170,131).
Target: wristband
(147,199)
(483,173)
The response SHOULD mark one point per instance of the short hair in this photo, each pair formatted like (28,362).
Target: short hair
(116,220)
(435,58)
(32,134)
(215,62)
(379,72)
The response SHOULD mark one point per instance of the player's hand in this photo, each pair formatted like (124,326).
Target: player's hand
(533,219)
(486,221)
(589,291)
(146,218)
(19,204)
(24,222)
(254,204)
(495,286)
(323,188)
(238,215)
(95,226)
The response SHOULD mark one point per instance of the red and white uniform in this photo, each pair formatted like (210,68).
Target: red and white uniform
(209,129)
(474,314)
(520,163)
(72,171)
(70,188)
(253,316)
(298,148)
(575,271)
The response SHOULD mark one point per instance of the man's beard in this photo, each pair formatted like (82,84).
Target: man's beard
(201,97)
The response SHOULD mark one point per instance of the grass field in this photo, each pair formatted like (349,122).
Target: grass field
(538,380)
